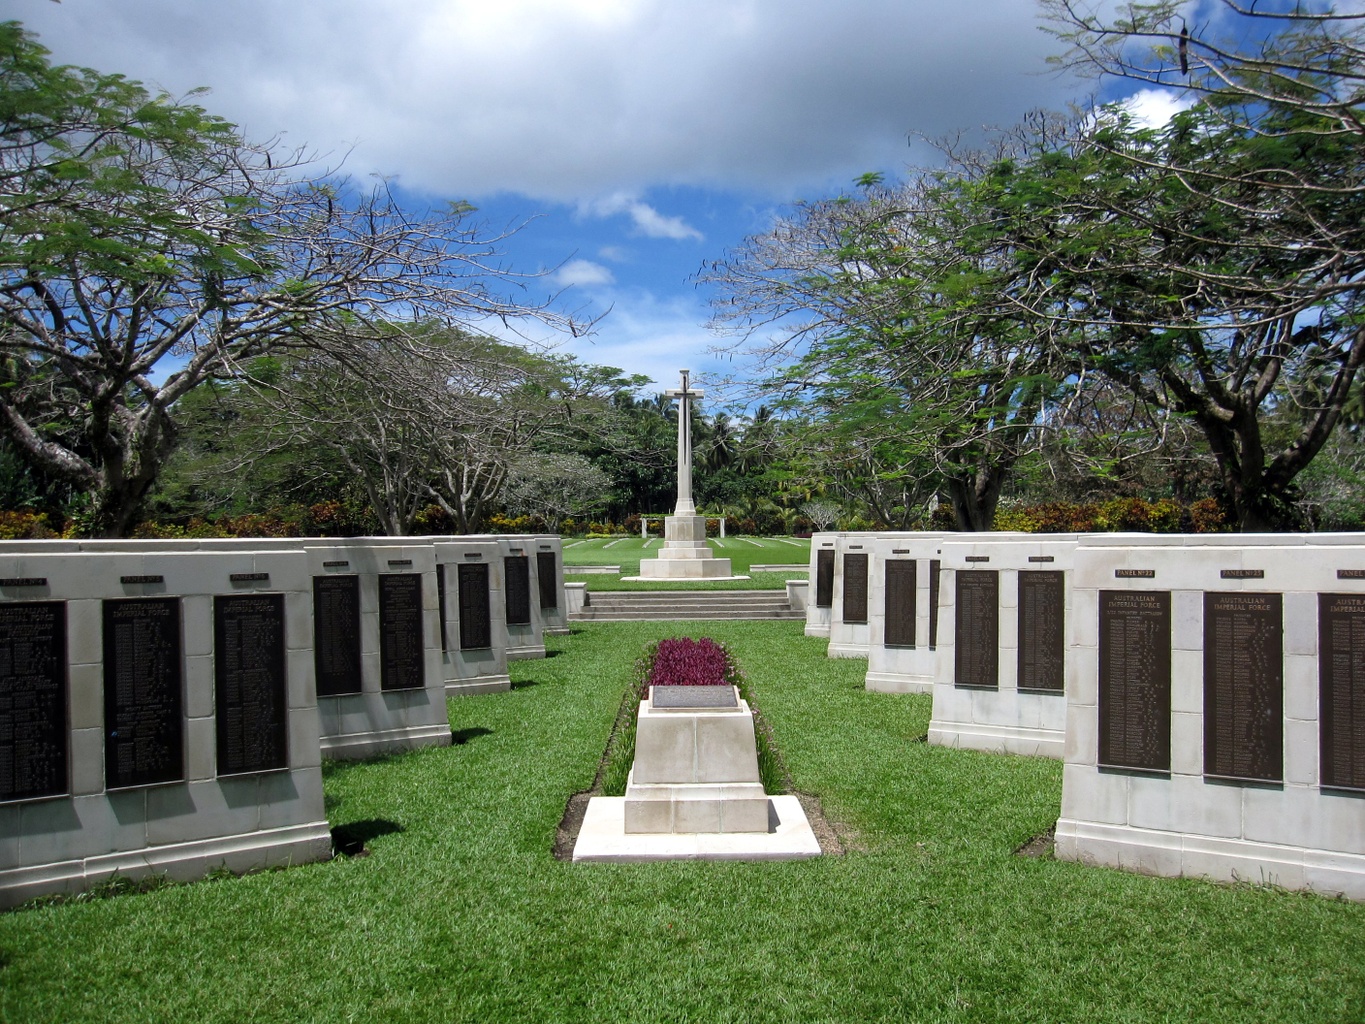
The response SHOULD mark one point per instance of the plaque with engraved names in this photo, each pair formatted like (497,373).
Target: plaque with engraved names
(402,653)
(824,578)
(251,699)
(548,579)
(1341,690)
(476,619)
(442,605)
(900,602)
(517,589)
(935,571)
(34,732)
(1135,679)
(1042,630)
(144,725)
(855,588)
(976,651)
(1244,686)
(336,634)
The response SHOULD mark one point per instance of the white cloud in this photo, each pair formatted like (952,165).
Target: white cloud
(1152,108)
(566,99)
(584,274)
(647,220)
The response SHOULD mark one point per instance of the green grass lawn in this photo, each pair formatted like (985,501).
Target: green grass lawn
(742,552)
(464,915)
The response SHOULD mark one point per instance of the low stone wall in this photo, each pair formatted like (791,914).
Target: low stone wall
(165,705)
(157,714)
(1003,655)
(849,615)
(903,612)
(474,637)
(1216,715)
(821,599)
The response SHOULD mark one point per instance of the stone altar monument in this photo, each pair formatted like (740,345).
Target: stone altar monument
(685,555)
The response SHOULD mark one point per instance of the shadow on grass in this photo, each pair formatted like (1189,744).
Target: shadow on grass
(462,736)
(523,684)
(349,840)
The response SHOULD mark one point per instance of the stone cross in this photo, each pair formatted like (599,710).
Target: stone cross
(684,396)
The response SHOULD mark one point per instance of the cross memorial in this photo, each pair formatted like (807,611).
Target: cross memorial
(684,395)
(684,554)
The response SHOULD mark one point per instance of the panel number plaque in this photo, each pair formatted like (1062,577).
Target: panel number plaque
(34,738)
(476,620)
(1244,686)
(336,634)
(976,651)
(1341,690)
(824,578)
(855,588)
(548,579)
(1135,679)
(249,683)
(900,602)
(517,589)
(1042,629)
(144,730)
(402,655)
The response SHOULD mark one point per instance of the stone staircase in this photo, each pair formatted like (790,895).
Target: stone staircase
(686,604)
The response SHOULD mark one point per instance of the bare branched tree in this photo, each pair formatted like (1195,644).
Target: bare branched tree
(145,247)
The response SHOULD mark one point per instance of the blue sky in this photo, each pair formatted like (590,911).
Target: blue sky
(639,138)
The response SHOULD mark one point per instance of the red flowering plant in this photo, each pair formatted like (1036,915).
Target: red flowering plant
(682,661)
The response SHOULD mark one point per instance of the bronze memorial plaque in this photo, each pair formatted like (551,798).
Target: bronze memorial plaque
(441,605)
(336,634)
(824,578)
(976,652)
(34,736)
(517,589)
(548,579)
(1135,679)
(935,568)
(476,619)
(402,654)
(900,602)
(1042,629)
(249,683)
(1244,686)
(855,588)
(1341,690)
(144,724)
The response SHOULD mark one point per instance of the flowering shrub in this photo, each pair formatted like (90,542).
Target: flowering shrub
(682,661)
(25,525)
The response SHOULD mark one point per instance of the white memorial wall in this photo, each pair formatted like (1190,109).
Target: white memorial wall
(1211,711)
(1003,656)
(165,705)
(1216,718)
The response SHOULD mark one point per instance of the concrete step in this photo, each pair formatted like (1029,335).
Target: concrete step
(690,604)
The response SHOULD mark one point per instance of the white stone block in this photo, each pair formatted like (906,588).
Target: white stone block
(1185,804)
(1187,743)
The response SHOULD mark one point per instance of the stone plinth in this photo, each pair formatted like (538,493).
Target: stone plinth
(696,770)
(685,555)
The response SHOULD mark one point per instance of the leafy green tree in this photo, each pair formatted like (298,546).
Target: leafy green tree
(1222,258)
(146,247)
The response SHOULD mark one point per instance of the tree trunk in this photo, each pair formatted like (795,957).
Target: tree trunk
(975,497)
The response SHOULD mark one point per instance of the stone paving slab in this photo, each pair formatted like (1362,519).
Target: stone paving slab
(603,838)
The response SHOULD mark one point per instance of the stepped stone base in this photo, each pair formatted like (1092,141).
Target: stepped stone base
(685,555)
(696,766)
(603,837)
